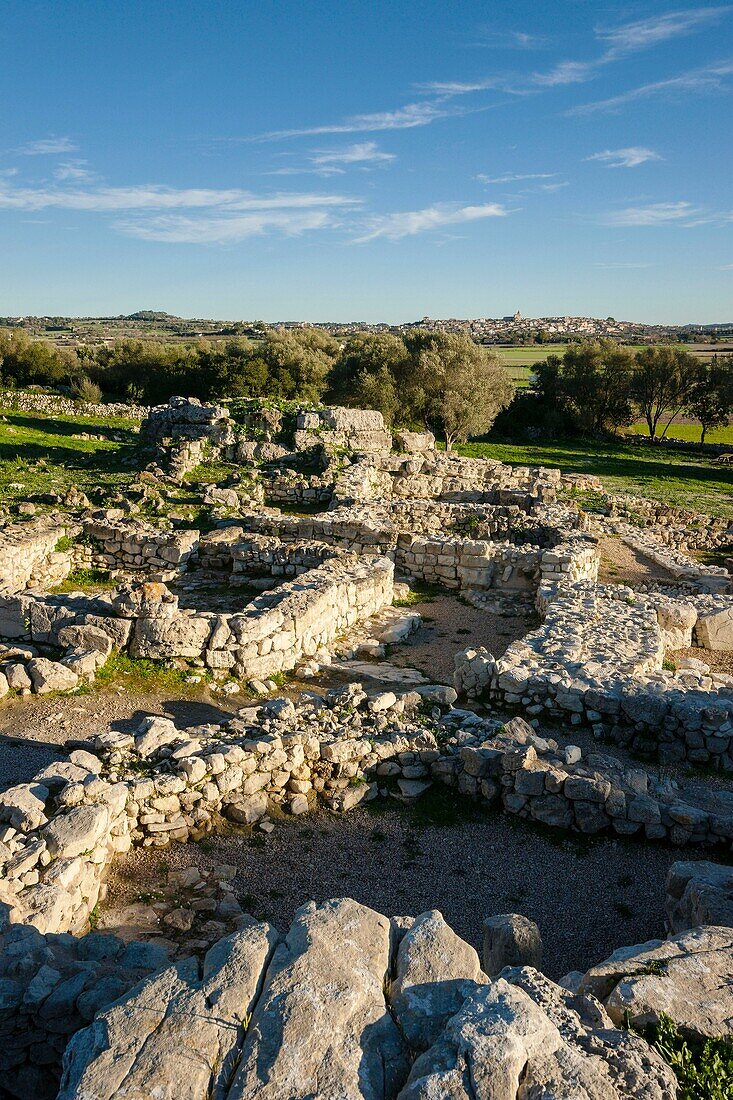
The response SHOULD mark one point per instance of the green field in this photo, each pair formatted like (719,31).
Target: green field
(40,454)
(687,481)
(519,359)
(689,431)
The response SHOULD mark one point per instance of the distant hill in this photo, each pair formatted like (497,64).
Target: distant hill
(151,315)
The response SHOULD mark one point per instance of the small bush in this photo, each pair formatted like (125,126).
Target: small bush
(83,389)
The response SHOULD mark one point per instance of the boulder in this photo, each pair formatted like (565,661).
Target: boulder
(523,1037)
(689,977)
(47,676)
(77,830)
(321,1027)
(176,1035)
(510,940)
(435,971)
(698,892)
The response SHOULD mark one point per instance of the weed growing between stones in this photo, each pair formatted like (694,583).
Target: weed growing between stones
(704,1070)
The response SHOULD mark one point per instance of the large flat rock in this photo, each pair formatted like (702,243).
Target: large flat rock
(322,1027)
(177,1035)
(688,977)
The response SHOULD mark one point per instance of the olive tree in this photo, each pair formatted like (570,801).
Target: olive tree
(457,386)
(663,382)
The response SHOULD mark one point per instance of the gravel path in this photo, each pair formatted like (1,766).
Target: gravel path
(587,896)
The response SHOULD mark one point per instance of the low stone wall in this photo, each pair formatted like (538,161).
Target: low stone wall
(465,563)
(28,555)
(113,542)
(259,555)
(57,405)
(666,552)
(598,658)
(163,785)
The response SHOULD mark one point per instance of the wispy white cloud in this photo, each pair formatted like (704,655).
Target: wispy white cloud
(404,118)
(622,266)
(630,38)
(707,79)
(50,146)
(515,177)
(75,170)
(408,223)
(657,213)
(567,72)
(158,197)
(630,157)
(364,155)
(450,88)
(509,40)
(642,34)
(364,152)
(225,229)
(187,215)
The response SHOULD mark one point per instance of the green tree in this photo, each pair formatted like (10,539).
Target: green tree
(367,373)
(711,399)
(457,386)
(663,381)
(596,383)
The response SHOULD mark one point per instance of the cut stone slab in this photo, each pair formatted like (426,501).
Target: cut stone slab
(321,1027)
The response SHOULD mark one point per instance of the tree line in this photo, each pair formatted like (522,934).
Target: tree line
(443,381)
(599,386)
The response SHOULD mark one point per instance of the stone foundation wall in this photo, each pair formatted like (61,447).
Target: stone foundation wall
(115,543)
(259,555)
(465,563)
(28,556)
(598,658)
(163,785)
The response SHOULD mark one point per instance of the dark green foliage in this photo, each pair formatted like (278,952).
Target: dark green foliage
(704,1070)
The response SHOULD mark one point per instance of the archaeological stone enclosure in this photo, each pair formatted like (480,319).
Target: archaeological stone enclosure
(277,558)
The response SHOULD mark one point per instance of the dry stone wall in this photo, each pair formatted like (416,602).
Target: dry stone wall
(598,657)
(112,542)
(28,555)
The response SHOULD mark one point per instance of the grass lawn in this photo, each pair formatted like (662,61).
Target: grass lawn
(690,432)
(687,481)
(39,454)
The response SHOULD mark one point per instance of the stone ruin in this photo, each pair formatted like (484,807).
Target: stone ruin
(350,1002)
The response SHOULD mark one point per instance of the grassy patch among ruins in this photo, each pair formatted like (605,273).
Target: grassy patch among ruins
(51,454)
(683,479)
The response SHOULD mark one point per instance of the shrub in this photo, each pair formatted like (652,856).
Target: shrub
(83,389)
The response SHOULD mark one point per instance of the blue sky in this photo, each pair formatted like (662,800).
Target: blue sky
(341,160)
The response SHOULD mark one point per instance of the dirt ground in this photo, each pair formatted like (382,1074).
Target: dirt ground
(622,565)
(450,625)
(587,896)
